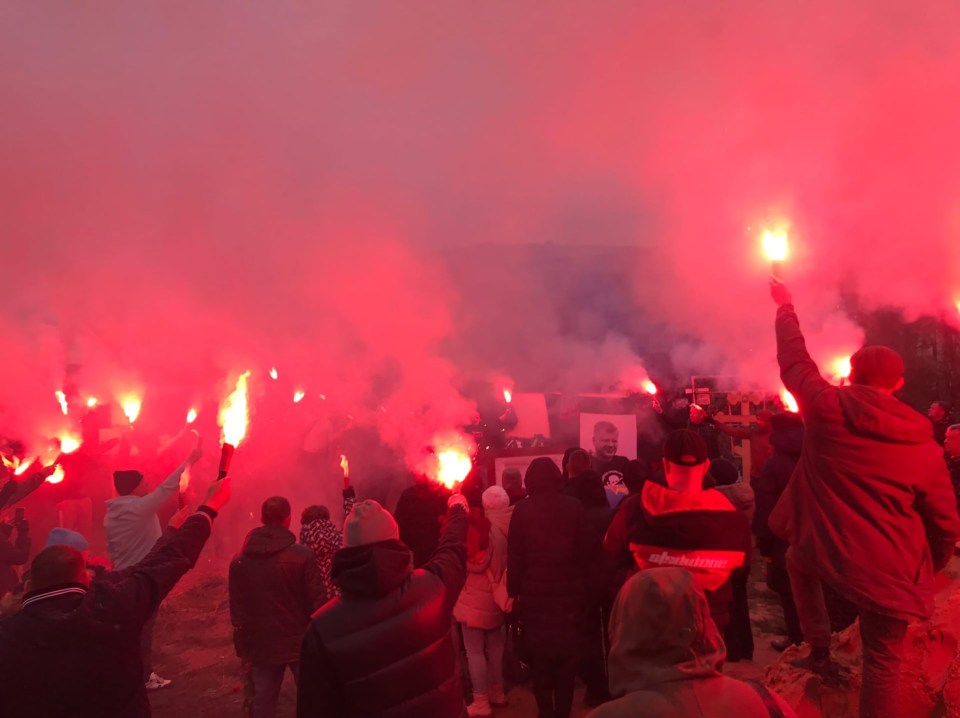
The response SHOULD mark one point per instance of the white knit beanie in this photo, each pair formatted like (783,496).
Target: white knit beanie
(495,497)
(367,523)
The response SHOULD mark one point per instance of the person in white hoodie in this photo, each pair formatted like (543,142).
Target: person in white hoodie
(133,528)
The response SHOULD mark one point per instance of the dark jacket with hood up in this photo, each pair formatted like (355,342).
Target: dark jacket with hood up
(547,554)
(74,652)
(870,507)
(786,438)
(275,585)
(666,655)
(383,648)
(601,572)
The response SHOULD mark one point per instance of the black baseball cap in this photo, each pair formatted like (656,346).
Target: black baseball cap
(685,447)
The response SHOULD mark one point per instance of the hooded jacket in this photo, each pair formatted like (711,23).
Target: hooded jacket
(870,507)
(549,547)
(383,648)
(74,651)
(486,557)
(275,585)
(601,568)
(666,654)
(786,438)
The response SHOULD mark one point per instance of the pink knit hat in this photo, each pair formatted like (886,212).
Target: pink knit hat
(368,523)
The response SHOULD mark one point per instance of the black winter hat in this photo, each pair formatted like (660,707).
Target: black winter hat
(685,447)
(126,481)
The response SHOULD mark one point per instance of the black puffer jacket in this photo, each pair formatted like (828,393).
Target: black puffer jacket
(383,649)
(548,549)
(274,587)
(786,438)
(601,567)
(74,652)
(418,515)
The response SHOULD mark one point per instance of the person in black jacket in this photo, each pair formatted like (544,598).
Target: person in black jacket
(275,585)
(73,649)
(384,646)
(587,488)
(548,548)
(13,553)
(418,515)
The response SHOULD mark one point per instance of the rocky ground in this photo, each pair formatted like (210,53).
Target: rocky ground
(192,646)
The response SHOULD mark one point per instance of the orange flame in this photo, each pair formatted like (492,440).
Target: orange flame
(24,465)
(273,373)
(235,414)
(68,443)
(131,404)
(344,464)
(775,244)
(62,399)
(185,480)
(789,403)
(842,367)
(453,466)
(57,476)
(507,395)
(649,387)
(191,416)
(91,402)
(298,396)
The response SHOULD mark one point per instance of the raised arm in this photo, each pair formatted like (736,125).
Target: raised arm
(152,502)
(798,371)
(449,561)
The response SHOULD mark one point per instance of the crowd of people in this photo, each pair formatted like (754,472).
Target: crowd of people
(634,581)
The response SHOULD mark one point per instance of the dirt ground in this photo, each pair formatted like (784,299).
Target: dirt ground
(192,646)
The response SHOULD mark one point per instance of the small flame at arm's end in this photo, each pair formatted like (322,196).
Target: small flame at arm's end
(62,400)
(345,465)
(24,465)
(57,476)
(842,367)
(92,402)
(131,407)
(650,387)
(273,373)
(453,467)
(234,413)
(191,416)
(789,403)
(298,396)
(507,395)
(775,244)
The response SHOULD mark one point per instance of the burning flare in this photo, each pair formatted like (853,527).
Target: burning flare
(273,373)
(131,404)
(775,244)
(842,368)
(789,403)
(24,465)
(507,395)
(234,413)
(649,387)
(62,399)
(191,416)
(345,465)
(298,396)
(57,476)
(453,466)
(92,402)
(68,443)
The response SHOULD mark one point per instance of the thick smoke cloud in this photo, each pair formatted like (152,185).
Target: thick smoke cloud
(387,201)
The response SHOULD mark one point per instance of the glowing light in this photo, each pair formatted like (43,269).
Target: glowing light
(92,402)
(68,443)
(842,368)
(24,465)
(345,465)
(185,480)
(57,476)
(775,244)
(958,305)
(649,387)
(507,395)
(789,403)
(131,404)
(453,466)
(191,416)
(62,399)
(298,396)
(273,373)
(235,414)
